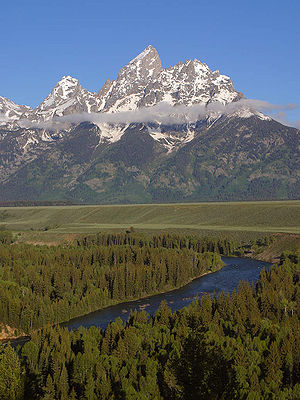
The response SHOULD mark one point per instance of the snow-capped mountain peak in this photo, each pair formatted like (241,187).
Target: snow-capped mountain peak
(64,90)
(10,111)
(126,91)
(149,53)
(67,97)
(66,87)
(142,83)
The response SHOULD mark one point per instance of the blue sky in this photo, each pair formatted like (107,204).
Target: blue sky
(256,43)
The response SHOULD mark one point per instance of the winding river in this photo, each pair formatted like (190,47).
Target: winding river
(227,279)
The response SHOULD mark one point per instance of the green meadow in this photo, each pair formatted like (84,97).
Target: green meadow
(264,216)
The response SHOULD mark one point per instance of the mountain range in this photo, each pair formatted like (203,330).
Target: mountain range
(154,134)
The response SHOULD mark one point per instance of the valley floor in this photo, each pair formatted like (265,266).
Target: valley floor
(262,216)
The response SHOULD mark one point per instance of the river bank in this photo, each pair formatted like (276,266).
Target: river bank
(8,333)
(226,278)
(10,337)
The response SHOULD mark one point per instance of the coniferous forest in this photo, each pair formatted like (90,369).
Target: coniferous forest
(43,285)
(240,346)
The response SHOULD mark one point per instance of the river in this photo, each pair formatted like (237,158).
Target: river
(226,279)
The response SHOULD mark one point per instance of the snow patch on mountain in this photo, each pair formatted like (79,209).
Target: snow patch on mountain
(31,140)
(10,111)
(171,139)
(111,132)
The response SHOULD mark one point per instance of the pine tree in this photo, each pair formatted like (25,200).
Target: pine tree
(273,367)
(89,390)
(62,385)
(49,389)
(11,379)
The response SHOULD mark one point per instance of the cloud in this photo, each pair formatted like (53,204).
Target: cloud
(164,113)
(56,123)
(262,105)
(297,124)
(282,117)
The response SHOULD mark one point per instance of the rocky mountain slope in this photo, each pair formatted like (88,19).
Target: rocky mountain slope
(177,134)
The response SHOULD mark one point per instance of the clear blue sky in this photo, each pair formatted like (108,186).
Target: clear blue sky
(256,43)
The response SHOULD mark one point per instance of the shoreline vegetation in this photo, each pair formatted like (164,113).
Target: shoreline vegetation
(43,285)
(4,340)
(8,333)
(253,250)
(8,338)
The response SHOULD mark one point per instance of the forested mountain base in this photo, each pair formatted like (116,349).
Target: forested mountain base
(41,285)
(246,346)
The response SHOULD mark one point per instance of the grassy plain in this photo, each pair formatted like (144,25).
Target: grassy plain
(267,217)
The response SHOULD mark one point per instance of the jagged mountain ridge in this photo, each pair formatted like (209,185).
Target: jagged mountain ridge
(141,83)
(10,111)
(239,155)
